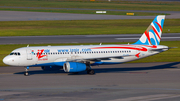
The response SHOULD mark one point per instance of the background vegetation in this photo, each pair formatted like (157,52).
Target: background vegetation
(82,27)
(98,4)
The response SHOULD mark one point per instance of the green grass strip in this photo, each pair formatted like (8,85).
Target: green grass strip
(123,5)
(82,27)
(172,55)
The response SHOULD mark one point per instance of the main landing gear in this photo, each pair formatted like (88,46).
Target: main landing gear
(26,71)
(89,70)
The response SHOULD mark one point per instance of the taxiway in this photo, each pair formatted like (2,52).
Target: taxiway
(81,38)
(123,82)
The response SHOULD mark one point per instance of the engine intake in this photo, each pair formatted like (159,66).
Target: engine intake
(74,67)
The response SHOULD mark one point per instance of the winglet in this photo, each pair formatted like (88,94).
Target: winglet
(152,35)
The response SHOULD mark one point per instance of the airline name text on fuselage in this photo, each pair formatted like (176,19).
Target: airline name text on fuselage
(74,50)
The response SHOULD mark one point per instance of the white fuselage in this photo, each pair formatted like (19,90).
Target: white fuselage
(95,54)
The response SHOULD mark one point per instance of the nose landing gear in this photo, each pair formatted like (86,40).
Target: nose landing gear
(26,71)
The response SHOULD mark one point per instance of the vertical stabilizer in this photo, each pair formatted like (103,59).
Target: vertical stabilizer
(152,35)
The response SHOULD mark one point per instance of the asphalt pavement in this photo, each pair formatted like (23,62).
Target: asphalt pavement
(123,82)
(36,16)
(81,38)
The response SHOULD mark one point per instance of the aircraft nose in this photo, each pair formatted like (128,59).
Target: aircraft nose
(6,60)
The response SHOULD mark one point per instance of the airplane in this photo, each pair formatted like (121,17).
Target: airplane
(78,58)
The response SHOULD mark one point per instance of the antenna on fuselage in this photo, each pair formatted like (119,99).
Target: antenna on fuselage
(100,44)
(27,45)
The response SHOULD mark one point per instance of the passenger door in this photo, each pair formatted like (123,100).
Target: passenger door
(29,54)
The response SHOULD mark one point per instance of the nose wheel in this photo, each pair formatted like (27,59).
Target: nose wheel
(26,71)
(26,74)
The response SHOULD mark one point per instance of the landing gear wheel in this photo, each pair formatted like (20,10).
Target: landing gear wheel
(26,71)
(26,74)
(91,72)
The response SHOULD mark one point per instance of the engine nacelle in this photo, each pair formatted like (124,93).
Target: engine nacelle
(74,67)
(48,68)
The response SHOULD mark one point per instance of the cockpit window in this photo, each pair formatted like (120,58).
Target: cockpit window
(11,54)
(15,53)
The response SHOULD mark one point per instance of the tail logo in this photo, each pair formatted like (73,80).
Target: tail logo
(152,35)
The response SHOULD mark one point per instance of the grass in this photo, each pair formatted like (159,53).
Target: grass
(82,27)
(172,55)
(123,5)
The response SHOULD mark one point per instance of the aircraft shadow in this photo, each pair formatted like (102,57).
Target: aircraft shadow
(106,70)
(133,69)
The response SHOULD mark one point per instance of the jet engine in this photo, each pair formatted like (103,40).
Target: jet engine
(74,67)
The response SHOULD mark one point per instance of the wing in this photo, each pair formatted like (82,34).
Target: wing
(97,59)
(61,61)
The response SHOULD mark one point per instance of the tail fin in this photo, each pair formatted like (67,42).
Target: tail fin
(152,35)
